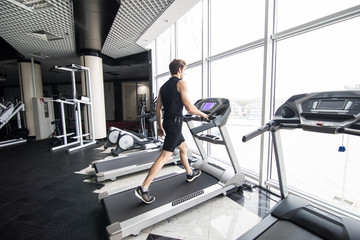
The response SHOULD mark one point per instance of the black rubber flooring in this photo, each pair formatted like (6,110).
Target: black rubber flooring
(42,198)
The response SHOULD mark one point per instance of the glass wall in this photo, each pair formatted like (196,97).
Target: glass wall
(192,78)
(291,13)
(235,23)
(163,52)
(316,51)
(238,78)
(324,59)
(189,31)
(315,165)
(321,60)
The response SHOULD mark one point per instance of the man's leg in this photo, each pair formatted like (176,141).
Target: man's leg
(191,173)
(156,167)
(142,191)
(184,158)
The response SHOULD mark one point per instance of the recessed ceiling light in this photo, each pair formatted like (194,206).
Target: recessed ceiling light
(39,55)
(32,5)
(44,35)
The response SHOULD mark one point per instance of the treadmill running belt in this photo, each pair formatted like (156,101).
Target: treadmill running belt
(136,159)
(165,191)
(287,230)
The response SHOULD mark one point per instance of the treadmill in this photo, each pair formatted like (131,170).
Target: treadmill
(294,217)
(127,215)
(129,162)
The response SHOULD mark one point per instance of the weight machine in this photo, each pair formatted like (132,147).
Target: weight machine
(7,112)
(77,104)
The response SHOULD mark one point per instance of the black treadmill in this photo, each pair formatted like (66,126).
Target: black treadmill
(294,217)
(128,162)
(127,215)
(131,161)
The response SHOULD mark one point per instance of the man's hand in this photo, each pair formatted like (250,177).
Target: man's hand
(160,132)
(205,116)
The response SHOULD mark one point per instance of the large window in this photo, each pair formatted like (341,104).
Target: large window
(161,80)
(292,13)
(321,55)
(239,78)
(189,35)
(322,60)
(163,52)
(235,23)
(192,78)
(314,165)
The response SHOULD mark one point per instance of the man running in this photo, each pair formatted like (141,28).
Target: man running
(173,96)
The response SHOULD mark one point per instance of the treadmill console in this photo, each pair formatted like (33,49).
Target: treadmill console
(321,112)
(332,105)
(214,108)
(208,106)
(218,110)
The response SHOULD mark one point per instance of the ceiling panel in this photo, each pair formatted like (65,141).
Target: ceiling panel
(133,19)
(18,24)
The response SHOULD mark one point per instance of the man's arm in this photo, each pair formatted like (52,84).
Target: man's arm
(159,105)
(189,106)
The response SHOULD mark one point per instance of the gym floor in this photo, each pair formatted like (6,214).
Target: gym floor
(50,195)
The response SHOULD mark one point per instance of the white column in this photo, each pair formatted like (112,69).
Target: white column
(30,86)
(95,65)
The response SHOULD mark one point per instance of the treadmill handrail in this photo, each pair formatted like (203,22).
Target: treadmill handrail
(270,126)
(349,131)
(267,127)
(202,127)
(213,121)
(256,133)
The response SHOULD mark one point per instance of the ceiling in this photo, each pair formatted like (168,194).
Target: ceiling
(58,33)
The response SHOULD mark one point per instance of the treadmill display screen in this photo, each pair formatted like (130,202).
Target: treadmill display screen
(207,106)
(332,104)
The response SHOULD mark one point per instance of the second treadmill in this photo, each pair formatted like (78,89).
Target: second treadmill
(127,163)
(295,217)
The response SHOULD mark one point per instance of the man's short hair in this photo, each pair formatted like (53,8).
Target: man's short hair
(175,65)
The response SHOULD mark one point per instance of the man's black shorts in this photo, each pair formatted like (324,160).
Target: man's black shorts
(173,133)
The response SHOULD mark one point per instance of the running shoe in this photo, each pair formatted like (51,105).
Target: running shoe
(144,195)
(195,173)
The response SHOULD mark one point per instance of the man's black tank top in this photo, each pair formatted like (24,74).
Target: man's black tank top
(171,99)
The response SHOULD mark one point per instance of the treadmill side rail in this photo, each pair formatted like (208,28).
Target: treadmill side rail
(115,230)
(113,174)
